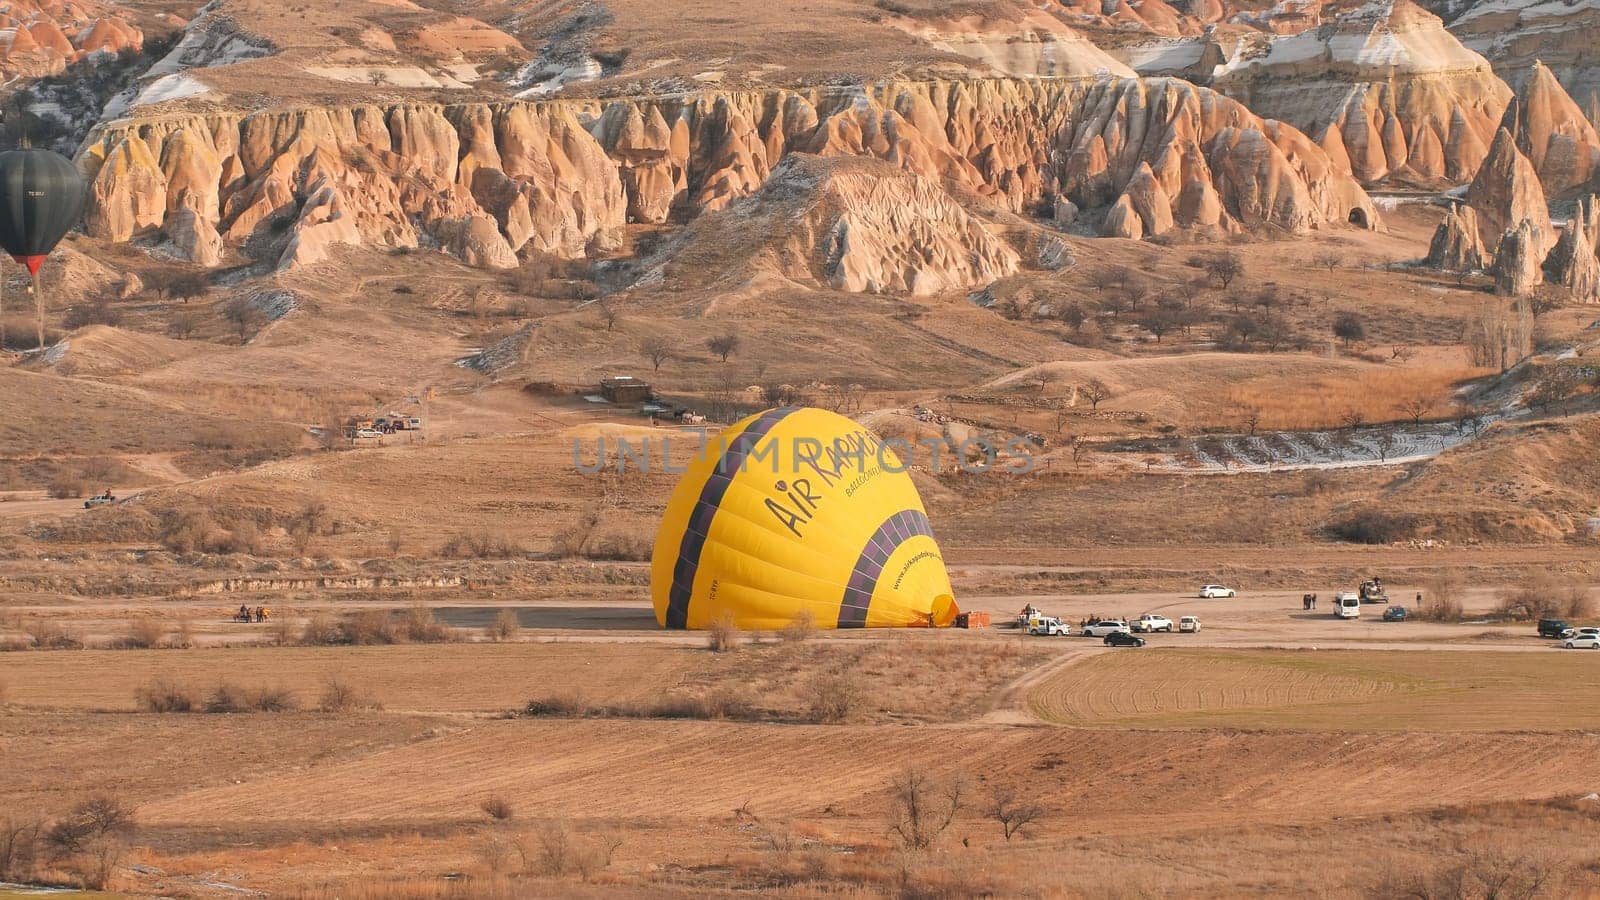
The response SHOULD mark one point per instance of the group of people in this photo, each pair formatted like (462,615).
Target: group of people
(1309,601)
(246,614)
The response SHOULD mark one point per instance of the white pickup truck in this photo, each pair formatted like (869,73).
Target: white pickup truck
(1148,623)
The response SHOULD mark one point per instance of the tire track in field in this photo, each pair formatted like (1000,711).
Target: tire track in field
(700,771)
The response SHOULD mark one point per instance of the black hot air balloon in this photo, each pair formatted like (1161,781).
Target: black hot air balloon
(41,198)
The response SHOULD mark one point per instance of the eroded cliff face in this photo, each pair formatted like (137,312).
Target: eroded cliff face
(489,180)
(44,38)
(866,226)
(1384,87)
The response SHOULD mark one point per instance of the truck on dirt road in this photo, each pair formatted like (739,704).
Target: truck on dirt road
(1150,623)
(1372,592)
(1048,626)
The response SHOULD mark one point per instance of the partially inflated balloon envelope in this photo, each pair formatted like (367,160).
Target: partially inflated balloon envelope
(793,512)
(41,198)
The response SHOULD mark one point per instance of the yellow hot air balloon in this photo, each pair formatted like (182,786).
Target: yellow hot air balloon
(798,510)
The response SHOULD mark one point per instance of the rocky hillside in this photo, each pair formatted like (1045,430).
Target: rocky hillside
(563,177)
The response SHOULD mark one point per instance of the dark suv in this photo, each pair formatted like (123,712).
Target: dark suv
(1552,628)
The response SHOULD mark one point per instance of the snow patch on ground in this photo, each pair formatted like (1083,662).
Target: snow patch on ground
(171,87)
(386,76)
(544,83)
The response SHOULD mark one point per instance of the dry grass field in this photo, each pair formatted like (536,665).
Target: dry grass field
(1345,690)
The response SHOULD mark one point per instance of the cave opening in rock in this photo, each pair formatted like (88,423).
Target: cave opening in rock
(1358,216)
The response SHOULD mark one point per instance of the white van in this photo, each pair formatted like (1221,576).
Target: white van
(1346,605)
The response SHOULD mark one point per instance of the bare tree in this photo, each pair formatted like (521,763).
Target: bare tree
(1159,322)
(1385,443)
(1224,268)
(1096,392)
(657,349)
(921,807)
(183,325)
(244,315)
(607,311)
(1417,407)
(723,345)
(1011,812)
(1328,259)
(1250,418)
(1352,419)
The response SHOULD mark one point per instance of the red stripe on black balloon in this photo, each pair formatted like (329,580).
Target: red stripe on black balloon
(705,511)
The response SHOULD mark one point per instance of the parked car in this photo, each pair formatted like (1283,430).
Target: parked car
(368,433)
(1552,628)
(1048,626)
(1582,642)
(1106,627)
(1150,623)
(1586,631)
(1216,592)
(1395,614)
(1189,625)
(1122,639)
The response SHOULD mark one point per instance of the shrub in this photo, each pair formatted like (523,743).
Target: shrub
(1373,526)
(566,706)
(832,698)
(165,696)
(800,629)
(419,626)
(224,698)
(722,635)
(272,699)
(320,630)
(370,626)
(505,626)
(50,636)
(227,698)
(340,696)
(182,637)
(67,487)
(497,808)
(144,633)
(480,544)
(1441,600)
(1546,596)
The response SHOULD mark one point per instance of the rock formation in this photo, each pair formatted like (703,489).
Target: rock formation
(1517,35)
(391,176)
(44,38)
(1457,245)
(1573,263)
(1144,209)
(1034,44)
(1384,88)
(1517,261)
(1507,192)
(1554,134)
(863,225)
